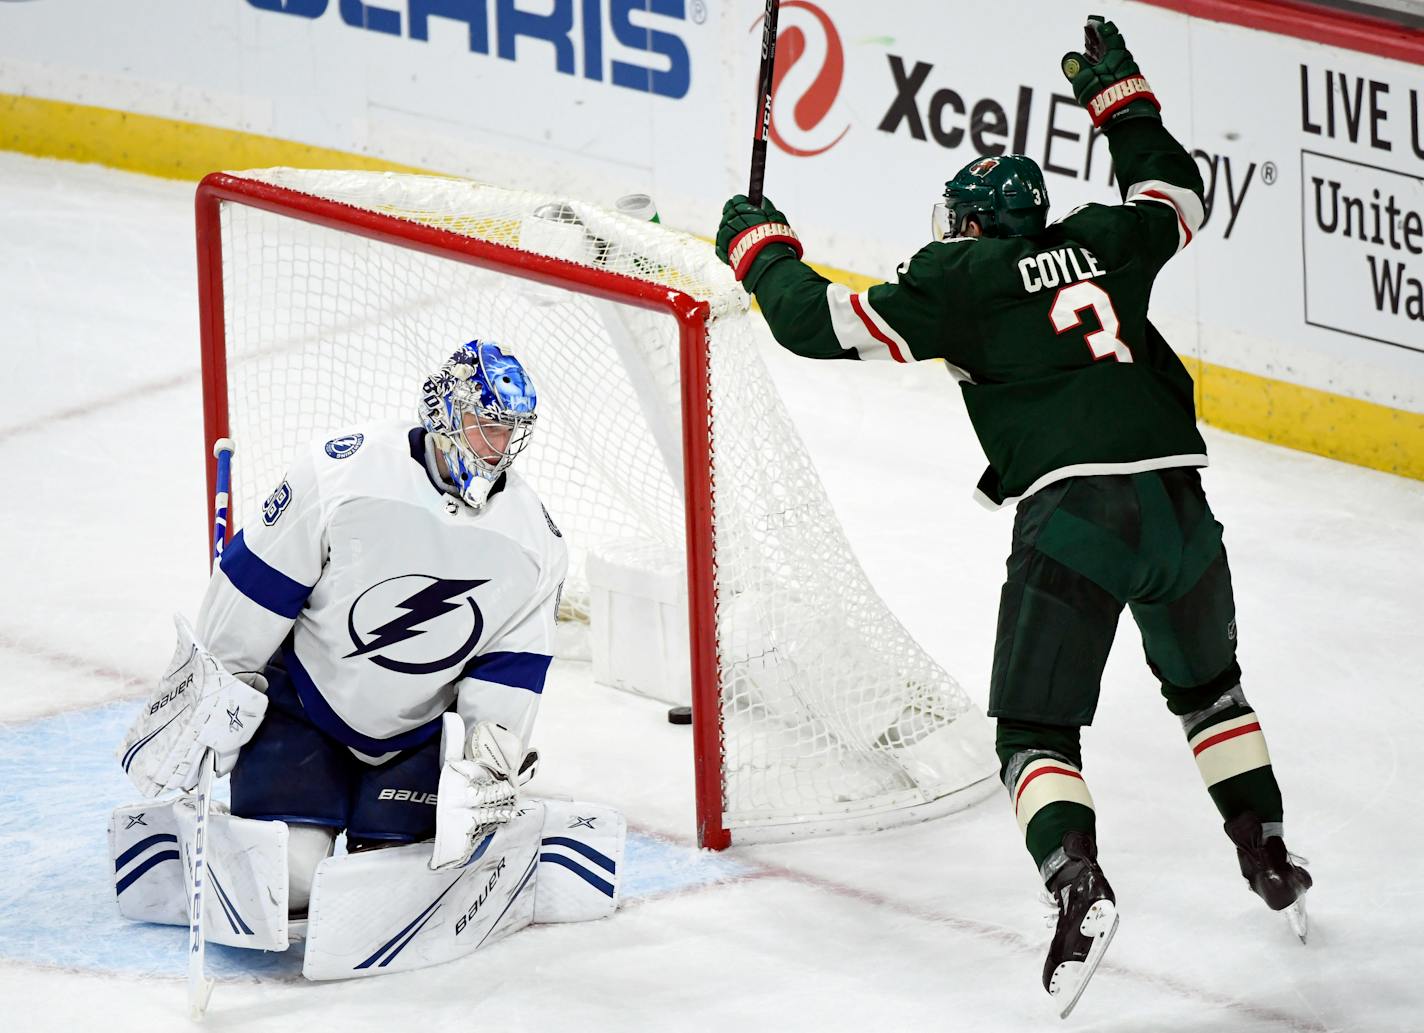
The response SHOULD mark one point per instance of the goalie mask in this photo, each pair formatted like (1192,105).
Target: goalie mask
(1005,195)
(479,411)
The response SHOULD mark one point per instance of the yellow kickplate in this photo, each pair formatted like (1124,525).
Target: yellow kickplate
(156,146)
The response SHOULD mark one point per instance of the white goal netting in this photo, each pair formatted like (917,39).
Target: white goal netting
(830,713)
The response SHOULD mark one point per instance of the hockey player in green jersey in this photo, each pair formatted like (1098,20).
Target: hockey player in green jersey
(1088,421)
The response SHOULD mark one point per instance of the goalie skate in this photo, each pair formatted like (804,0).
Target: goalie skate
(1087,920)
(1274,874)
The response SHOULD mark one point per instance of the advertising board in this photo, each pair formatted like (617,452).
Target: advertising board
(1304,284)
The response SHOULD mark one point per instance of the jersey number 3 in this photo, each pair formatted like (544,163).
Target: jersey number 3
(1077,297)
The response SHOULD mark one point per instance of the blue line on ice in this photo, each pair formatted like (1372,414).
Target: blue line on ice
(59,781)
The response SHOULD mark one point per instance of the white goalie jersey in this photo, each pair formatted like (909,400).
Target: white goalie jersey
(387,600)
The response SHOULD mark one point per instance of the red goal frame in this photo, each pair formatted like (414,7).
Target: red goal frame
(691,315)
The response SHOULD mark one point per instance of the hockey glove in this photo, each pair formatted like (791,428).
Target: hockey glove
(752,238)
(198,706)
(1106,79)
(479,787)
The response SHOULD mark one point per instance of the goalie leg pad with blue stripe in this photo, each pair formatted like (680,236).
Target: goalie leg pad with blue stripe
(246,863)
(580,862)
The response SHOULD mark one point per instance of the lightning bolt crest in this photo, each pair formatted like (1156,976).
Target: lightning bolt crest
(434,600)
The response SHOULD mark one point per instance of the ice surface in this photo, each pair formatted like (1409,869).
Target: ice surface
(934,927)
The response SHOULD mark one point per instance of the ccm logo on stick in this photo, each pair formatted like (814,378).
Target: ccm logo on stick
(806,87)
(577,51)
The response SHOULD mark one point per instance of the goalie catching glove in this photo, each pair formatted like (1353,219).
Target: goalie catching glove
(479,787)
(198,706)
(1106,79)
(752,238)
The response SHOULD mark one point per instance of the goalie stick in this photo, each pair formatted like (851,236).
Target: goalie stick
(763,126)
(200,986)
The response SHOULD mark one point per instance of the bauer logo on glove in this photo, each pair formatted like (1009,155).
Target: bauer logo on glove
(198,706)
(171,695)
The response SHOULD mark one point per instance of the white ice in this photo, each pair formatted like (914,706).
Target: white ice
(934,927)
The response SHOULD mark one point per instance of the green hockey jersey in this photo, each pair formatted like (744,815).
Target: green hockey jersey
(1048,336)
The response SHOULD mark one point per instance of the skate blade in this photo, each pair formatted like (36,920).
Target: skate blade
(1070,979)
(1299,920)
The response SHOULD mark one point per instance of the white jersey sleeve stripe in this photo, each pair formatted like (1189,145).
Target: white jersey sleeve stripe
(1186,204)
(880,330)
(264,584)
(860,330)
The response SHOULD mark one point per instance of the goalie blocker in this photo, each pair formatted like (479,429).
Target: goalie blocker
(380,910)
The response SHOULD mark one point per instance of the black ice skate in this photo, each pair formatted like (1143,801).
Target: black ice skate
(1087,920)
(1275,875)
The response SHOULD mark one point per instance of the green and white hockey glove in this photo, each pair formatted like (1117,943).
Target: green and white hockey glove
(752,238)
(1105,78)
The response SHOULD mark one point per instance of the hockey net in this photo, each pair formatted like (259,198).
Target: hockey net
(329,296)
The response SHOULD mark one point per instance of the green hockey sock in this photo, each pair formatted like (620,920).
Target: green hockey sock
(1230,752)
(1042,768)
(1050,799)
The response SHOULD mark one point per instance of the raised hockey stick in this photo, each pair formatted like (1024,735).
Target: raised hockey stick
(763,126)
(200,986)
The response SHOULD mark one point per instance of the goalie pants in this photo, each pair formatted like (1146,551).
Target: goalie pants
(292,771)
(1084,548)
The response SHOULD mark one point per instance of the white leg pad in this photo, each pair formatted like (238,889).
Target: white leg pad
(580,861)
(385,911)
(247,869)
(148,869)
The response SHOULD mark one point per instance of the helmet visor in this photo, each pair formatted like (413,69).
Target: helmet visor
(942,223)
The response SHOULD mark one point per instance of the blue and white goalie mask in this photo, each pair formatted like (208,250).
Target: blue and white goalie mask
(479,410)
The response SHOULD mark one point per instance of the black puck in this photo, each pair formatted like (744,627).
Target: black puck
(679,715)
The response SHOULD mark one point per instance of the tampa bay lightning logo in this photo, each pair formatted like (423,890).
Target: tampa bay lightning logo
(345,446)
(276,503)
(416,623)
